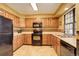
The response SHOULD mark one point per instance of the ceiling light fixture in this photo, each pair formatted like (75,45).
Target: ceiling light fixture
(66,9)
(34,6)
(0,11)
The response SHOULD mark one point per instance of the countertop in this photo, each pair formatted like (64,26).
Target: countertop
(69,40)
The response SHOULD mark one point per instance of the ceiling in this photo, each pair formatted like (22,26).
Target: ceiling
(26,8)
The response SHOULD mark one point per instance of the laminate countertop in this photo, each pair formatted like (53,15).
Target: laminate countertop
(69,39)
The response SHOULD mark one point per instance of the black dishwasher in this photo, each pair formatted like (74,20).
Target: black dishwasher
(66,49)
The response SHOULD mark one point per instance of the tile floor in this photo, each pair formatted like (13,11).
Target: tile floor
(27,50)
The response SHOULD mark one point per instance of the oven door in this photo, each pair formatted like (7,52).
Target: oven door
(37,39)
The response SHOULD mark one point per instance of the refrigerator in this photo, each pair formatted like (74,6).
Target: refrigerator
(6,36)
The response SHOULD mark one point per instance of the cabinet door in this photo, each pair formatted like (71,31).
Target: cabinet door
(44,40)
(29,22)
(48,39)
(53,38)
(16,22)
(20,40)
(27,39)
(26,23)
(15,43)
(2,13)
(6,14)
(55,43)
(58,46)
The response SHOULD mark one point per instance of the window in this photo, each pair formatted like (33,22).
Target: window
(69,23)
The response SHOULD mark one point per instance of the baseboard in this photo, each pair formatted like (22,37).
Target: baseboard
(37,45)
(17,48)
(46,45)
(27,44)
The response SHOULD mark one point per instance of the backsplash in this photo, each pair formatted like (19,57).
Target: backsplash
(23,29)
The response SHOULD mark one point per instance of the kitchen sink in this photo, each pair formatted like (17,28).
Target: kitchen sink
(65,36)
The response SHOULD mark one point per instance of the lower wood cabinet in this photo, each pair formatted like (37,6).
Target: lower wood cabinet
(55,41)
(27,39)
(18,41)
(46,39)
(15,45)
(58,46)
(49,39)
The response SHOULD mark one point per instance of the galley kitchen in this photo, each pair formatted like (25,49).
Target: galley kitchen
(39,29)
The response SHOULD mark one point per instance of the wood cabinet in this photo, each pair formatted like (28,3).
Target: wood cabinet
(58,46)
(49,39)
(16,22)
(50,22)
(29,22)
(18,41)
(2,12)
(14,18)
(46,22)
(27,39)
(55,41)
(15,44)
(46,39)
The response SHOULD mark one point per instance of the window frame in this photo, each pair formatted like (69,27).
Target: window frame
(73,23)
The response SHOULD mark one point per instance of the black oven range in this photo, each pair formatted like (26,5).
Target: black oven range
(37,34)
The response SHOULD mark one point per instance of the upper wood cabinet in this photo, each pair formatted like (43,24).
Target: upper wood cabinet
(50,23)
(46,22)
(16,22)
(14,18)
(2,12)
(29,22)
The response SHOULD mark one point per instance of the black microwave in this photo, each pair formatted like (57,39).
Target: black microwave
(37,25)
